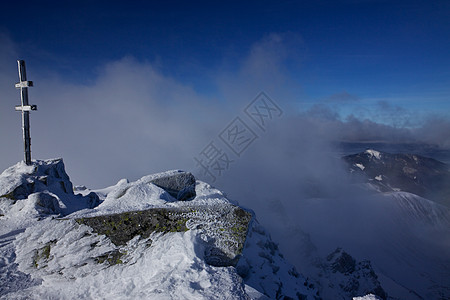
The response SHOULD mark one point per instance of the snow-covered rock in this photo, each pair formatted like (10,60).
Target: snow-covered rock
(140,242)
(40,189)
(264,268)
(180,185)
(373,153)
(348,277)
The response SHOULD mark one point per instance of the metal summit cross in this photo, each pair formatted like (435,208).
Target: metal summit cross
(25,108)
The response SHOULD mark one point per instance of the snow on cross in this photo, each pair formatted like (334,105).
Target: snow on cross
(25,108)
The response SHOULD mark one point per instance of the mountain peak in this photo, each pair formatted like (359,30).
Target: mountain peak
(165,225)
(412,173)
(353,277)
(373,153)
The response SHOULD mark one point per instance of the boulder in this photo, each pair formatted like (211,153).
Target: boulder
(46,184)
(223,228)
(180,184)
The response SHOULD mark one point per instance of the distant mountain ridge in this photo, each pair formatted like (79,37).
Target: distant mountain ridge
(423,176)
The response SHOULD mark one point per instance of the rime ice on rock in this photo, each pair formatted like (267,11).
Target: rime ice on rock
(140,235)
(44,186)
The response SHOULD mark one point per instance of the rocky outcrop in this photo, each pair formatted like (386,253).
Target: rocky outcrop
(180,185)
(46,185)
(342,262)
(40,176)
(223,227)
(155,225)
(353,278)
(263,267)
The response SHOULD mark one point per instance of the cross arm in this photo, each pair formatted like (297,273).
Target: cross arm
(25,107)
(24,84)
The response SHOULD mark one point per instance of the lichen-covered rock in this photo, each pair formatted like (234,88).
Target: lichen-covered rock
(121,228)
(42,255)
(223,228)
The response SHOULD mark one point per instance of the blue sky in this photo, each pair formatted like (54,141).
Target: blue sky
(116,78)
(393,51)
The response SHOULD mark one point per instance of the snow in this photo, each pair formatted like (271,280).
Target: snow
(42,187)
(170,269)
(142,194)
(261,256)
(134,196)
(173,267)
(44,256)
(367,297)
(13,175)
(373,153)
(361,166)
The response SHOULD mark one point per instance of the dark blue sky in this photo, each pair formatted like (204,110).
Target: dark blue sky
(372,49)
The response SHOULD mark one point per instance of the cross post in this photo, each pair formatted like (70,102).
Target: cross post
(25,108)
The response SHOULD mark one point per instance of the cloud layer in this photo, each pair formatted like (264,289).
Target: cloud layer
(133,119)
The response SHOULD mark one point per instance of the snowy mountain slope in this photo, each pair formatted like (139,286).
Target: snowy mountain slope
(315,208)
(405,237)
(45,256)
(412,173)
